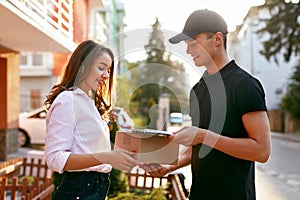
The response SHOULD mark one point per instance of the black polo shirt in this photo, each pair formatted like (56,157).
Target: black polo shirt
(217,103)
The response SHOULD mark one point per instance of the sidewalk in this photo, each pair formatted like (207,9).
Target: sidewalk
(28,152)
(294,137)
(265,189)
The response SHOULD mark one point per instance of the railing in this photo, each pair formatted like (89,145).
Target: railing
(57,14)
(176,189)
(41,187)
(138,179)
(24,189)
(11,168)
(26,179)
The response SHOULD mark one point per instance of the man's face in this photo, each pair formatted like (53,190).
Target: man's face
(201,49)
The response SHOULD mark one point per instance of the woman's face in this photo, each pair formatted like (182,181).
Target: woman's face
(99,73)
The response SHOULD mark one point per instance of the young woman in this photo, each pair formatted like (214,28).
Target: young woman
(77,141)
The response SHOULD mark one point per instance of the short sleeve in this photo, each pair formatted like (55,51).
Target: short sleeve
(250,96)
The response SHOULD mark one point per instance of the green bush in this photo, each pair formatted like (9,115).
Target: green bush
(118,183)
(118,179)
(139,121)
(156,194)
(29,178)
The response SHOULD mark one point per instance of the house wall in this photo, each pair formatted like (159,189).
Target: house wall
(9,103)
(24,33)
(53,62)
(42,84)
(80,20)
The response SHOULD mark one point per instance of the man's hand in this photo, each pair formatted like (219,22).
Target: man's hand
(189,136)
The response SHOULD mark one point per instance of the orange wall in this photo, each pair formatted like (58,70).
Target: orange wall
(3,93)
(60,60)
(81,19)
(10,91)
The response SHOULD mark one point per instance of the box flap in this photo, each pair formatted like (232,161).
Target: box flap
(148,132)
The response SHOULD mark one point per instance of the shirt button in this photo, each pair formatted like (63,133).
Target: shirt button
(88,184)
(77,197)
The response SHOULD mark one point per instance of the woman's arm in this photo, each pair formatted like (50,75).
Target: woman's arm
(119,159)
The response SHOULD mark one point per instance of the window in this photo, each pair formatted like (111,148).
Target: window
(37,59)
(35,98)
(100,26)
(30,59)
(23,60)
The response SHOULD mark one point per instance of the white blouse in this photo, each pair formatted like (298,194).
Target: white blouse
(75,126)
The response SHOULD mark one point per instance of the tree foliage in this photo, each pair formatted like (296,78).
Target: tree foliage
(291,101)
(157,75)
(283,28)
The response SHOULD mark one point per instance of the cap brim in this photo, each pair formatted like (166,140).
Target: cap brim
(178,38)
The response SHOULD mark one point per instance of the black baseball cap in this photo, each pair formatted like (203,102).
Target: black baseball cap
(201,21)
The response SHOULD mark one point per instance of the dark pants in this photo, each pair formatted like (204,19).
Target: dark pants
(80,185)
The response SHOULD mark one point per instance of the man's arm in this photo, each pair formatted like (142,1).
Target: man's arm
(256,147)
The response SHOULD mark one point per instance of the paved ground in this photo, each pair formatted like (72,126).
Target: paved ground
(287,136)
(265,189)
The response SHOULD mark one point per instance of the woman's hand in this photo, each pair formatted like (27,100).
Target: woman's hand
(120,159)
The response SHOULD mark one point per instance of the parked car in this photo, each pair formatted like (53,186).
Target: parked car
(176,118)
(32,127)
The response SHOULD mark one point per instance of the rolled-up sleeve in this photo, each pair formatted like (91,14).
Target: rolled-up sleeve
(60,123)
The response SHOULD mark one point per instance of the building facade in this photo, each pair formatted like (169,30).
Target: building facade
(40,70)
(36,39)
(244,47)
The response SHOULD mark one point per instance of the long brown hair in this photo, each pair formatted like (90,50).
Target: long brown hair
(73,74)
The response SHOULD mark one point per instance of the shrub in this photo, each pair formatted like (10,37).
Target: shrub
(156,194)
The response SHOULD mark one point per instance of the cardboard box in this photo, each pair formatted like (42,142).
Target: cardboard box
(150,146)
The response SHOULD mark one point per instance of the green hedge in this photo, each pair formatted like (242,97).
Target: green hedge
(156,194)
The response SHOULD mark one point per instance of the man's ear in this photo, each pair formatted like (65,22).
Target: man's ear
(218,38)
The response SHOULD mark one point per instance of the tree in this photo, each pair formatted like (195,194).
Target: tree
(291,101)
(158,75)
(124,88)
(283,28)
(284,32)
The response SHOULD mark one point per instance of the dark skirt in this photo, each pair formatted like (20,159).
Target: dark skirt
(80,185)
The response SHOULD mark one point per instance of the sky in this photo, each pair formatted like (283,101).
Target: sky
(172,14)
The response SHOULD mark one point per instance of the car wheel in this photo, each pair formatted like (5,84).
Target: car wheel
(23,139)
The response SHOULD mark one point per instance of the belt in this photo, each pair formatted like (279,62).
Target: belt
(87,175)
(80,175)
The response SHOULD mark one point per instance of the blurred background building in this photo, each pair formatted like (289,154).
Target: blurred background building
(244,46)
(36,39)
